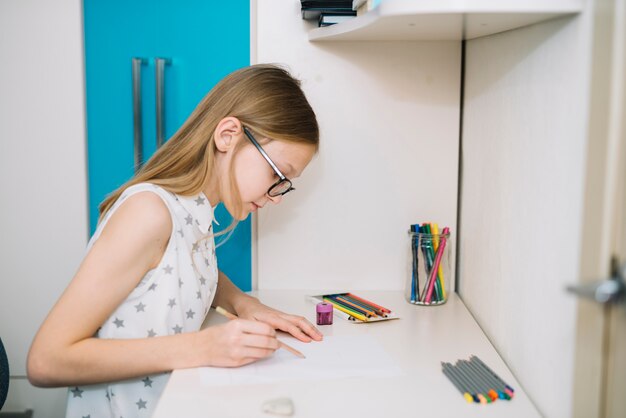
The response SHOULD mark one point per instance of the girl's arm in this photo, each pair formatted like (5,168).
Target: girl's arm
(64,351)
(229,297)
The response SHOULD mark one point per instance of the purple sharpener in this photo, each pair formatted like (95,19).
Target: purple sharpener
(324,313)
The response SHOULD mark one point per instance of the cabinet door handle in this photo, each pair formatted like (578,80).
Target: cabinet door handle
(159,64)
(611,290)
(137,132)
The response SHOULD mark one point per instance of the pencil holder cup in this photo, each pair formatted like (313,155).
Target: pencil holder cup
(429,268)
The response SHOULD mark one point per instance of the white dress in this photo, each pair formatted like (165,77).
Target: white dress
(172,298)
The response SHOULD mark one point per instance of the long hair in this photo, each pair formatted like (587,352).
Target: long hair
(264,97)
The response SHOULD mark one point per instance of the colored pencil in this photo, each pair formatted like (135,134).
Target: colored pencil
(344,315)
(457,383)
(430,244)
(473,385)
(349,307)
(464,381)
(345,310)
(429,258)
(363,304)
(501,388)
(433,273)
(415,274)
(229,315)
(369,303)
(503,393)
(493,389)
(341,299)
(490,395)
(440,271)
(494,375)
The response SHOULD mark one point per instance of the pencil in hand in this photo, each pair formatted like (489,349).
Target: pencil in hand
(281,344)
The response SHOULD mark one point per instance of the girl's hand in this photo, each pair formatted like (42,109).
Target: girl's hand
(298,326)
(237,342)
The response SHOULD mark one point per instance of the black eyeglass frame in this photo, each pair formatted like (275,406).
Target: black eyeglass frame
(281,176)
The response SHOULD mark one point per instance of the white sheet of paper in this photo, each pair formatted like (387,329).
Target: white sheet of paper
(333,358)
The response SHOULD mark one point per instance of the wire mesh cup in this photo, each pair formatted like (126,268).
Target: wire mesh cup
(429,268)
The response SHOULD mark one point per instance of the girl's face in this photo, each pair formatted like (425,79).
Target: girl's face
(255,176)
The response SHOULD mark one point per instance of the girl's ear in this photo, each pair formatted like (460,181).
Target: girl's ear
(227,133)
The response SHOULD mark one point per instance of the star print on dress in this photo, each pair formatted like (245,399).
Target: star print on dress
(158,305)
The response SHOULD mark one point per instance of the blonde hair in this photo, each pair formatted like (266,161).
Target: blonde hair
(264,97)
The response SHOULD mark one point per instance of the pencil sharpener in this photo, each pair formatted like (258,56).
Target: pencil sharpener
(324,313)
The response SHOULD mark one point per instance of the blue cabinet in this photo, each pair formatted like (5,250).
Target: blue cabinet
(203,41)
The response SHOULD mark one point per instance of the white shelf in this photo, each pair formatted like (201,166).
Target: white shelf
(413,20)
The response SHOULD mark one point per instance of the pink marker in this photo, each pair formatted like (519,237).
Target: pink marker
(433,272)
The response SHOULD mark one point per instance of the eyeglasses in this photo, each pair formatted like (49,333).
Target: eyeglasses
(283,185)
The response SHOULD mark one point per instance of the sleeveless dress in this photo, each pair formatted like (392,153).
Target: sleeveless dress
(170,299)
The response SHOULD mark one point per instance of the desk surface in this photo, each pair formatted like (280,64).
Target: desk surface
(418,342)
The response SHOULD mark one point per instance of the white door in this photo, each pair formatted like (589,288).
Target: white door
(600,364)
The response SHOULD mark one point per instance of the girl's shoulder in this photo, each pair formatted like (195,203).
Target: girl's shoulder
(141,205)
(167,198)
(148,199)
(144,211)
(140,187)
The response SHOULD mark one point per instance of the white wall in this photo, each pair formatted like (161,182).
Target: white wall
(524,139)
(42,177)
(389,118)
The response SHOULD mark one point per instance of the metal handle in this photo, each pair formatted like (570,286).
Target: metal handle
(604,291)
(159,64)
(137,132)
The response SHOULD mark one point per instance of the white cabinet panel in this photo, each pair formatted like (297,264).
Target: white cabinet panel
(524,139)
(42,164)
(389,119)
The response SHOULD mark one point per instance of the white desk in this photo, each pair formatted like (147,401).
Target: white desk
(418,342)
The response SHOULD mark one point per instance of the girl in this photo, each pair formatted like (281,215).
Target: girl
(133,311)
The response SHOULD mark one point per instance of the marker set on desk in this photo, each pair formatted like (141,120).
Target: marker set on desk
(426,239)
(476,381)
